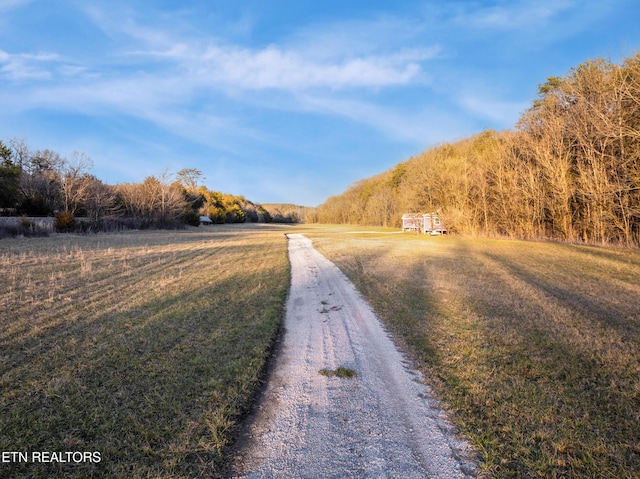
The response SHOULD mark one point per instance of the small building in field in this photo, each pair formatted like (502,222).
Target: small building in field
(412,222)
(429,223)
(432,224)
(205,220)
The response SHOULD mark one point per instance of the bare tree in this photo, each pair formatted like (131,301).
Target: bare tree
(75,182)
(189,178)
(154,200)
(21,153)
(100,200)
(40,192)
(172,203)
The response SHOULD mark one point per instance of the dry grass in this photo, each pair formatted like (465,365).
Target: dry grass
(146,346)
(341,372)
(534,347)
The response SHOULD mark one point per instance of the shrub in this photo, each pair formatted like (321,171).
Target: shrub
(192,218)
(65,222)
(217,214)
(235,214)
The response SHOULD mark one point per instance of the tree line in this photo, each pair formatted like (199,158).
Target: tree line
(288,213)
(569,170)
(43,183)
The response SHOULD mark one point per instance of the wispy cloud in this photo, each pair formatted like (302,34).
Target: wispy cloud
(27,65)
(513,15)
(351,56)
(360,37)
(419,127)
(279,85)
(276,68)
(273,67)
(172,70)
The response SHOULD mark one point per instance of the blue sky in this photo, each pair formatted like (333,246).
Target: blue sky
(283,100)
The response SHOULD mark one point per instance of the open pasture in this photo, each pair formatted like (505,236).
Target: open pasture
(145,347)
(534,347)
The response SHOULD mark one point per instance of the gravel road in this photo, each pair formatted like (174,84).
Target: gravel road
(380,423)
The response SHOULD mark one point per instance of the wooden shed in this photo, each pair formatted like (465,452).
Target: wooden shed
(432,224)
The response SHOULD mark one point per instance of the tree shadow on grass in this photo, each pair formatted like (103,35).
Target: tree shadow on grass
(154,388)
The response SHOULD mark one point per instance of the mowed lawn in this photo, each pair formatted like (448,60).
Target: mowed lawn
(534,347)
(145,347)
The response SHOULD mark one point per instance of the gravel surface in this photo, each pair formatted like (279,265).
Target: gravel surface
(381,423)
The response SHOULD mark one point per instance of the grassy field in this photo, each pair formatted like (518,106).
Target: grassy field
(145,347)
(534,347)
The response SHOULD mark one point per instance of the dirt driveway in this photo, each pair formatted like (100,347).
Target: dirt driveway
(380,423)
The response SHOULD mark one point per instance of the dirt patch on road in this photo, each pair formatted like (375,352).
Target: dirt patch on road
(377,421)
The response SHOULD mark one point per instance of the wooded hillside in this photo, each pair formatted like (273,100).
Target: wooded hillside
(569,170)
(287,212)
(43,183)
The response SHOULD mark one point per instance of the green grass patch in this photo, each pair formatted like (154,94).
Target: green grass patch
(533,347)
(340,372)
(146,347)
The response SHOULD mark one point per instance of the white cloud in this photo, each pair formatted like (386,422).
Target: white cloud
(159,74)
(288,69)
(26,65)
(273,67)
(312,60)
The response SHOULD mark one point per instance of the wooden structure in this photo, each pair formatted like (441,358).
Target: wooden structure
(412,222)
(429,223)
(432,224)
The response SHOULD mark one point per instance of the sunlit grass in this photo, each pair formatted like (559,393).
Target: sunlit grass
(534,347)
(145,346)
(148,347)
